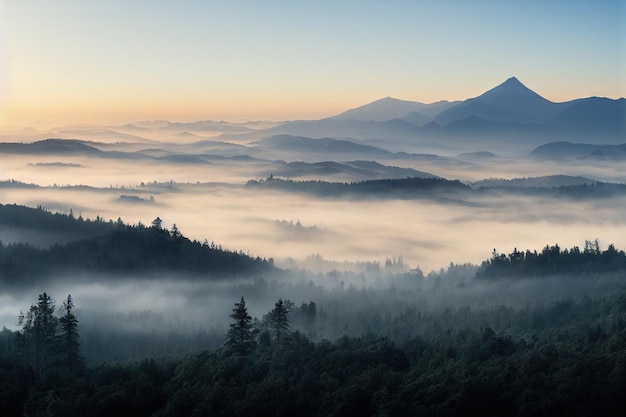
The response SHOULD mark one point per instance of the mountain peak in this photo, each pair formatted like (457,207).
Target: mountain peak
(516,98)
(511,86)
(510,101)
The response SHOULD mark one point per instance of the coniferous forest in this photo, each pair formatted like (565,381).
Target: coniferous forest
(312,209)
(524,334)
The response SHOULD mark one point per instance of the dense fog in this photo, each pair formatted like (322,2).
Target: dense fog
(426,233)
(367,252)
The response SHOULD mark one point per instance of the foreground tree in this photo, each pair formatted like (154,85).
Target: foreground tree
(69,337)
(38,330)
(240,335)
(279,317)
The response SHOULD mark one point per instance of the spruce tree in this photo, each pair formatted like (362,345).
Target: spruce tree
(280,320)
(69,337)
(44,327)
(240,334)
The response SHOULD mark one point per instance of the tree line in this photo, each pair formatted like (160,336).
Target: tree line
(574,367)
(553,260)
(410,187)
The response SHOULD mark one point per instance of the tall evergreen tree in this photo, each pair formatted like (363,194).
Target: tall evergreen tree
(69,337)
(39,327)
(280,319)
(26,336)
(240,334)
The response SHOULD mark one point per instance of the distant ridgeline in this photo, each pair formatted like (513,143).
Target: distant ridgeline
(554,261)
(596,189)
(405,187)
(111,247)
(414,187)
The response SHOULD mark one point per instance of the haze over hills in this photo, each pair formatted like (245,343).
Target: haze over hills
(349,169)
(509,119)
(510,101)
(508,111)
(391,108)
(545,181)
(579,151)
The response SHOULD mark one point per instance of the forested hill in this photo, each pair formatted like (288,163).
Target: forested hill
(401,188)
(114,247)
(414,187)
(20,217)
(553,260)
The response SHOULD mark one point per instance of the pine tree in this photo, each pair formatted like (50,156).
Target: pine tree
(69,337)
(280,320)
(40,326)
(240,334)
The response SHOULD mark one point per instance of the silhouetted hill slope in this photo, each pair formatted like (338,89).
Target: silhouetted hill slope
(362,169)
(65,147)
(393,188)
(20,218)
(155,250)
(186,159)
(325,145)
(545,181)
(417,118)
(114,248)
(592,115)
(568,150)
(391,108)
(180,154)
(51,146)
(477,155)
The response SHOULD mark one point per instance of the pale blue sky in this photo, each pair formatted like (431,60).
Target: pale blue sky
(123,60)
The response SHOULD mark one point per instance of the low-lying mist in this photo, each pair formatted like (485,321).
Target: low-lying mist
(179,315)
(359,259)
(426,233)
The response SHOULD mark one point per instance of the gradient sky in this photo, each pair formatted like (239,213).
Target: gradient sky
(117,61)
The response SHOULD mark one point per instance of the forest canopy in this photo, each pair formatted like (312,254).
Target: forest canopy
(113,247)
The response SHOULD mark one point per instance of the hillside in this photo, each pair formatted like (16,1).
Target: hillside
(580,151)
(113,248)
(391,188)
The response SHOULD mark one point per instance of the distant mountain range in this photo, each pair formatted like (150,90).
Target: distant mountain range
(510,101)
(509,119)
(504,115)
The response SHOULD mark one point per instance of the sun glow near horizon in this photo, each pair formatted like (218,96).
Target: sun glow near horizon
(69,62)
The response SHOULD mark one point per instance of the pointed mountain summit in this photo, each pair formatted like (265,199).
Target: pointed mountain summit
(513,94)
(510,101)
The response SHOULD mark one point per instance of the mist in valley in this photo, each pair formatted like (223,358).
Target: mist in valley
(208,202)
(157,230)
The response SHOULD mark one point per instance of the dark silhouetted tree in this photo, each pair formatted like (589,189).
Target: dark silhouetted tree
(279,317)
(157,223)
(38,328)
(69,337)
(240,335)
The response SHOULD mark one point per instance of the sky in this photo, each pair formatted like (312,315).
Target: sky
(118,61)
